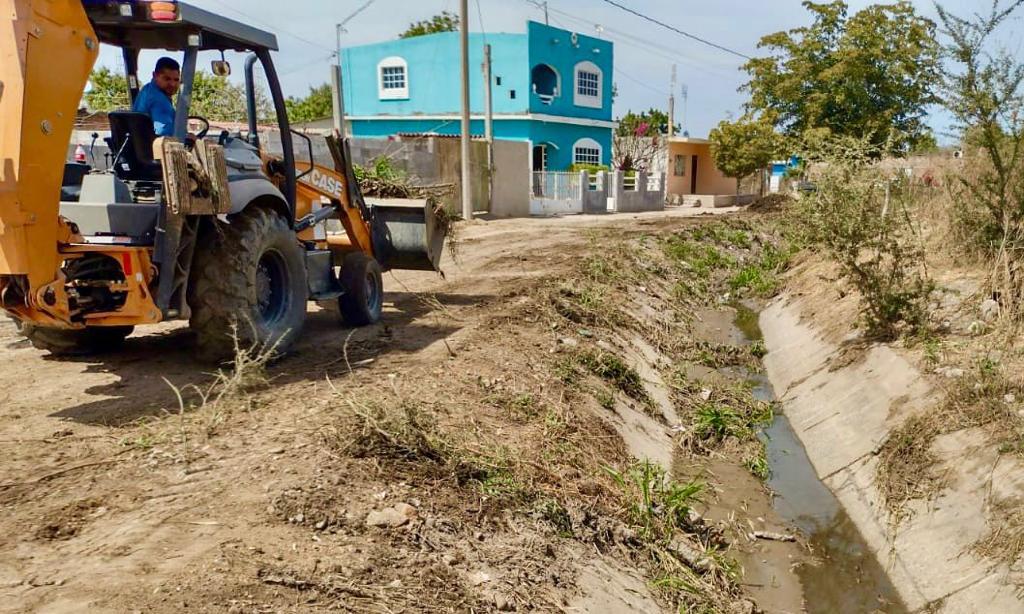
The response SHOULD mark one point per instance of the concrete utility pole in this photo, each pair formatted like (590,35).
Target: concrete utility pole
(489,125)
(337,99)
(672,105)
(467,177)
(686,97)
(541,5)
(337,91)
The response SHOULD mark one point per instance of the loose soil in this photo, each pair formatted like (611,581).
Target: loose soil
(456,457)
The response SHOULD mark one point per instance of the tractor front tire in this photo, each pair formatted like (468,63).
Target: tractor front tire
(363,283)
(82,342)
(248,285)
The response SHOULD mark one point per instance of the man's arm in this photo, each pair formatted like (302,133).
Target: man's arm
(142,102)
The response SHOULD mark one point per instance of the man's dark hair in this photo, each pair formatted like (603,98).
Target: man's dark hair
(167,64)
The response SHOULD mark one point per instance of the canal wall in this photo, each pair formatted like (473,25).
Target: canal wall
(843,410)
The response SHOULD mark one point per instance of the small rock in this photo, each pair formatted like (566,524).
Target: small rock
(320,526)
(989,310)
(478,536)
(504,604)
(277,451)
(392,517)
(624,534)
(395,584)
(691,555)
(586,333)
(479,577)
(950,372)
(1010,399)
(975,328)
(705,394)
(569,342)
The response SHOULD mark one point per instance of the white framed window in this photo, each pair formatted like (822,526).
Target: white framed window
(586,151)
(589,90)
(393,78)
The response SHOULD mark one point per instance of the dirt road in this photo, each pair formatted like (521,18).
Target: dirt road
(304,495)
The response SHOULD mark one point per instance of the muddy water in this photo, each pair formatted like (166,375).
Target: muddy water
(849,579)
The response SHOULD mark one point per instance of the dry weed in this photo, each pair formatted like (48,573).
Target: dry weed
(202,410)
(1004,542)
(397,432)
(907,466)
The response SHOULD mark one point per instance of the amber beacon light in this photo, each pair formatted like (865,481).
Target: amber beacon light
(163,11)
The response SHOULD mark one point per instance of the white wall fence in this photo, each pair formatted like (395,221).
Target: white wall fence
(554,193)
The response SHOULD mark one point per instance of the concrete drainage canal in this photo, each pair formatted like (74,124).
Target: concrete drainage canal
(844,576)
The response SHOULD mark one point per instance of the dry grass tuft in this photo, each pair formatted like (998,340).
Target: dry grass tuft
(907,466)
(398,432)
(202,410)
(1005,540)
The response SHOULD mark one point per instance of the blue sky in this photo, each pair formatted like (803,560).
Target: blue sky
(644,53)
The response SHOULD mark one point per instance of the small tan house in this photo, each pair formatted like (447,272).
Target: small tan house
(693,179)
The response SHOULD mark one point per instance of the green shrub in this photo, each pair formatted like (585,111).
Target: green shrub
(866,227)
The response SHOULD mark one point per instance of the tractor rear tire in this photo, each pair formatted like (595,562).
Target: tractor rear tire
(83,342)
(363,300)
(248,281)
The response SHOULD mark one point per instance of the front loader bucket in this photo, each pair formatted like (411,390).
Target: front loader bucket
(407,235)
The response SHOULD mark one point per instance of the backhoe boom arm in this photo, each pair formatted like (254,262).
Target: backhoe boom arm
(47,50)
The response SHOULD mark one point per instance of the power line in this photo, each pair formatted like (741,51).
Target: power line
(480,15)
(640,83)
(304,65)
(637,42)
(676,30)
(273,27)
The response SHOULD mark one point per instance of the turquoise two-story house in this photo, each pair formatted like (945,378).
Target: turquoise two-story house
(551,88)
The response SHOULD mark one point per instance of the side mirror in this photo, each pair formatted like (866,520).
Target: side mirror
(221,68)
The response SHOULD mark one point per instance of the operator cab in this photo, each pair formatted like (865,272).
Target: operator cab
(121,205)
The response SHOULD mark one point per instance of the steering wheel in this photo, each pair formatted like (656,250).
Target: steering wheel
(206,126)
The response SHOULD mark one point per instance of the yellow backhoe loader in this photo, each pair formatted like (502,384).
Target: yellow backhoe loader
(205,227)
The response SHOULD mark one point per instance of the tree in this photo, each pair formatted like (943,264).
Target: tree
(217,99)
(638,140)
(646,123)
(445,22)
(984,90)
(873,73)
(213,97)
(744,147)
(108,91)
(318,104)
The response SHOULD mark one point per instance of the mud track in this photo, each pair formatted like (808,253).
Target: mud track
(114,500)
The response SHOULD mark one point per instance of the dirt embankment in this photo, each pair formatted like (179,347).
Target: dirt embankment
(919,439)
(502,441)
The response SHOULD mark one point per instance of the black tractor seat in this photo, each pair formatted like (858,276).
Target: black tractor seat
(131,142)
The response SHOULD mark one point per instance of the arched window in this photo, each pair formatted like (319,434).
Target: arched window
(546,82)
(587,151)
(589,90)
(393,78)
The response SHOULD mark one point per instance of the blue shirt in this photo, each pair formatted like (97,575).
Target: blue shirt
(155,103)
